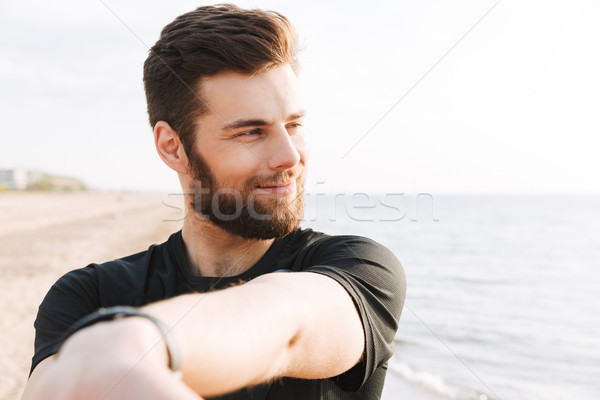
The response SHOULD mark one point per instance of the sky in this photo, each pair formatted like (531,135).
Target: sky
(478,97)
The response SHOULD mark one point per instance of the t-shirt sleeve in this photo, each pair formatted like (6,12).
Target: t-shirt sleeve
(71,298)
(375,280)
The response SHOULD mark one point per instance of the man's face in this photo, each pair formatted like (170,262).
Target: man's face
(248,161)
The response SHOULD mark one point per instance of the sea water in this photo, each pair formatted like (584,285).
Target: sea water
(503,298)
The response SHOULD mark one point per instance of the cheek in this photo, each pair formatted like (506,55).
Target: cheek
(302,147)
(232,167)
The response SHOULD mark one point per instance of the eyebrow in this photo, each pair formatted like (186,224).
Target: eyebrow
(244,123)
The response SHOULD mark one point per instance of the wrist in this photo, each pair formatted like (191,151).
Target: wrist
(127,331)
(144,339)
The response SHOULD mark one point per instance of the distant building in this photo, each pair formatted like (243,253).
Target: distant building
(34,176)
(21,179)
(13,179)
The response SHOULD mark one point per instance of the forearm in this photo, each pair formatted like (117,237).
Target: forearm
(227,340)
(301,325)
(235,337)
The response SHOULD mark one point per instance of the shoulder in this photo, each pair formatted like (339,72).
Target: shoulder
(85,285)
(123,281)
(361,263)
(111,282)
(363,266)
(317,248)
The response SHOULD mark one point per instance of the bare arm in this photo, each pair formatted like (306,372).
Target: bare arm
(300,325)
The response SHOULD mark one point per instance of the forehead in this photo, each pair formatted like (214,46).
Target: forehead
(271,95)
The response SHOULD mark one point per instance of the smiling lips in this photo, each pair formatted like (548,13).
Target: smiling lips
(280,190)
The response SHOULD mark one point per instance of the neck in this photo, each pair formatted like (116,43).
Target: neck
(211,251)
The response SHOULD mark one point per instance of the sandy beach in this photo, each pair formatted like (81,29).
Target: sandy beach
(44,235)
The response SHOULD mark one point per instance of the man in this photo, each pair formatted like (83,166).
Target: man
(212,303)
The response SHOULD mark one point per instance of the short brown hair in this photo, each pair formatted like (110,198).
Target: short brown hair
(204,42)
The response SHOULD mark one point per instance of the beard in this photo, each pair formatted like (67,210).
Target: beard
(246,212)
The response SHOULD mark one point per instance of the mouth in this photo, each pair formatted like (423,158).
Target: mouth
(279,189)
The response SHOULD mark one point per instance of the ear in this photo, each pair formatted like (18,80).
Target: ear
(169,147)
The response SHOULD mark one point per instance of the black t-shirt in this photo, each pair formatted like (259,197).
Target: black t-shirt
(369,272)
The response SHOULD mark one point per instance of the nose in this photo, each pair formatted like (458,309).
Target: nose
(283,153)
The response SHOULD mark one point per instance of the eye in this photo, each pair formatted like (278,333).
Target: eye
(293,125)
(253,132)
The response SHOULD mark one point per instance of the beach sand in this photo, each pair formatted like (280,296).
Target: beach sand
(44,235)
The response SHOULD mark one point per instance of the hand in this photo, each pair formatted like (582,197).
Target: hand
(119,360)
